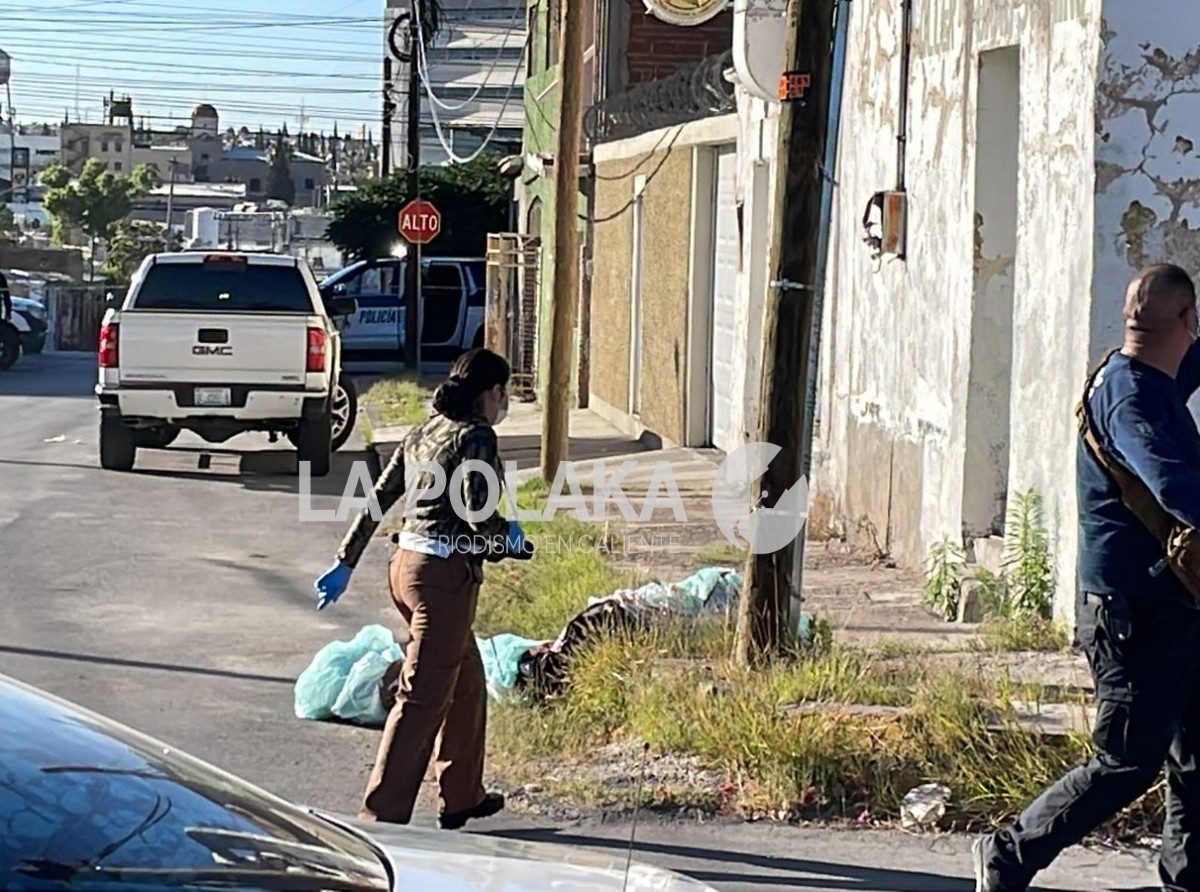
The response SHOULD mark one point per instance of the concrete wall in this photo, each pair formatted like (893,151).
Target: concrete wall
(1148,152)
(666,214)
(41,260)
(672,170)
(900,408)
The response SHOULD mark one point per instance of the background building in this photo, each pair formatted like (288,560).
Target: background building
(476,74)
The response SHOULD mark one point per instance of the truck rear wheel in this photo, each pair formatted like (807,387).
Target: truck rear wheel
(117,447)
(344,412)
(314,443)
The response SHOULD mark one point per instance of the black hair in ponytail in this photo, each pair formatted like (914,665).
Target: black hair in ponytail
(473,373)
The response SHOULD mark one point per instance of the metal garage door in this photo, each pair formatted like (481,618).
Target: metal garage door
(725,430)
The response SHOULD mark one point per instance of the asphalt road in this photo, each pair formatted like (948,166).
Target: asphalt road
(178,599)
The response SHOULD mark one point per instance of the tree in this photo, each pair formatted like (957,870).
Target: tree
(473,199)
(8,221)
(280,185)
(131,243)
(96,202)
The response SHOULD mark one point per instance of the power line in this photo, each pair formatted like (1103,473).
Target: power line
(61,96)
(162,47)
(518,13)
(423,71)
(49,58)
(125,85)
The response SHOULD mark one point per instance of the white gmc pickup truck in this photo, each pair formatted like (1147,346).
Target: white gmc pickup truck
(220,344)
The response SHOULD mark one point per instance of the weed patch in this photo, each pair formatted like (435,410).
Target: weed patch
(397,400)
(1023,633)
(536,599)
(786,762)
(722,554)
(944,578)
(1017,603)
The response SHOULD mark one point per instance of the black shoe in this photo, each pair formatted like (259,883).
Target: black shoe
(987,877)
(493,804)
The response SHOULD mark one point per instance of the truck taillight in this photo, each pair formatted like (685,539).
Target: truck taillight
(316,350)
(108,346)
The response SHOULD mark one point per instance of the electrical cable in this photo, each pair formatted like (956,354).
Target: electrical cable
(518,13)
(44,87)
(423,72)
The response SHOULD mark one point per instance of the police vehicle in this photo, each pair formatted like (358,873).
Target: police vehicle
(452,290)
(25,332)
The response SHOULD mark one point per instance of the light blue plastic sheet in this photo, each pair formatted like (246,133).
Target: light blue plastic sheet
(342,681)
(501,662)
(713,589)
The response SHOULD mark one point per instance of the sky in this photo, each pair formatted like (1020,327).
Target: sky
(259,62)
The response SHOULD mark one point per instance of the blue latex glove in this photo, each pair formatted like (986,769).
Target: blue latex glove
(332,584)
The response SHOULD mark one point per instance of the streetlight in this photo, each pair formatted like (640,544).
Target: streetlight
(5,79)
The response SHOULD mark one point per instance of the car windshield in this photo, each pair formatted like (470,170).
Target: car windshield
(86,804)
(224,285)
(342,274)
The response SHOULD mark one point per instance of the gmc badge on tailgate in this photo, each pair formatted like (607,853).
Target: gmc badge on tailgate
(212,350)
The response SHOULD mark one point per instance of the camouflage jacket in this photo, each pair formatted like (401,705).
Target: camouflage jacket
(432,450)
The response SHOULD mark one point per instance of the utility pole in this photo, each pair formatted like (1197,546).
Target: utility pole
(810,92)
(170,200)
(412,261)
(385,164)
(564,300)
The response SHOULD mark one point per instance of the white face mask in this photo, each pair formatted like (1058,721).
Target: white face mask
(501,414)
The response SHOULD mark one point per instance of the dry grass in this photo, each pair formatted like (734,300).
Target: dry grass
(1023,633)
(397,400)
(724,739)
(827,763)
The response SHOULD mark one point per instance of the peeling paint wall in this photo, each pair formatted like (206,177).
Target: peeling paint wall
(896,351)
(1147,165)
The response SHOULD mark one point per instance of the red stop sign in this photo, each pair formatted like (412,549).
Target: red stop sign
(419,222)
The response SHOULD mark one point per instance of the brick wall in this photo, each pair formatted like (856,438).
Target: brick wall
(656,48)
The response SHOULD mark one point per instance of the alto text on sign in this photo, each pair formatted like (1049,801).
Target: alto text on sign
(419,222)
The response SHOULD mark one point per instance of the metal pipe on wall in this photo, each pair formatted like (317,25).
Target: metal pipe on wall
(902,124)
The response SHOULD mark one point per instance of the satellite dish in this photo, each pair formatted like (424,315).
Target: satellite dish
(5,67)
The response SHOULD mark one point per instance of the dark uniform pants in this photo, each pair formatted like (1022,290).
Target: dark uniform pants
(441,706)
(1145,658)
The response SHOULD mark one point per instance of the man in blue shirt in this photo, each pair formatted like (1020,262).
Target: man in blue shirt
(1138,625)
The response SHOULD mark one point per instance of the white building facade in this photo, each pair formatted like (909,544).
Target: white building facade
(476,74)
(1051,152)
(35,151)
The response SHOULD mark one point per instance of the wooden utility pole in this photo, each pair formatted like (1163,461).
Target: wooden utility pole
(803,200)
(564,300)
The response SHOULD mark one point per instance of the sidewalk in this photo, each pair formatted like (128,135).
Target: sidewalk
(756,858)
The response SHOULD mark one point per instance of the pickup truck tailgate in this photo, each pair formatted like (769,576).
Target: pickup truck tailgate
(245,348)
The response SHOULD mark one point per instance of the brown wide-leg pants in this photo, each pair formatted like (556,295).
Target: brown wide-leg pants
(442,699)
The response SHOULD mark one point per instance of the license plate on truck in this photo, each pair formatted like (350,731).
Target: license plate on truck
(210,397)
